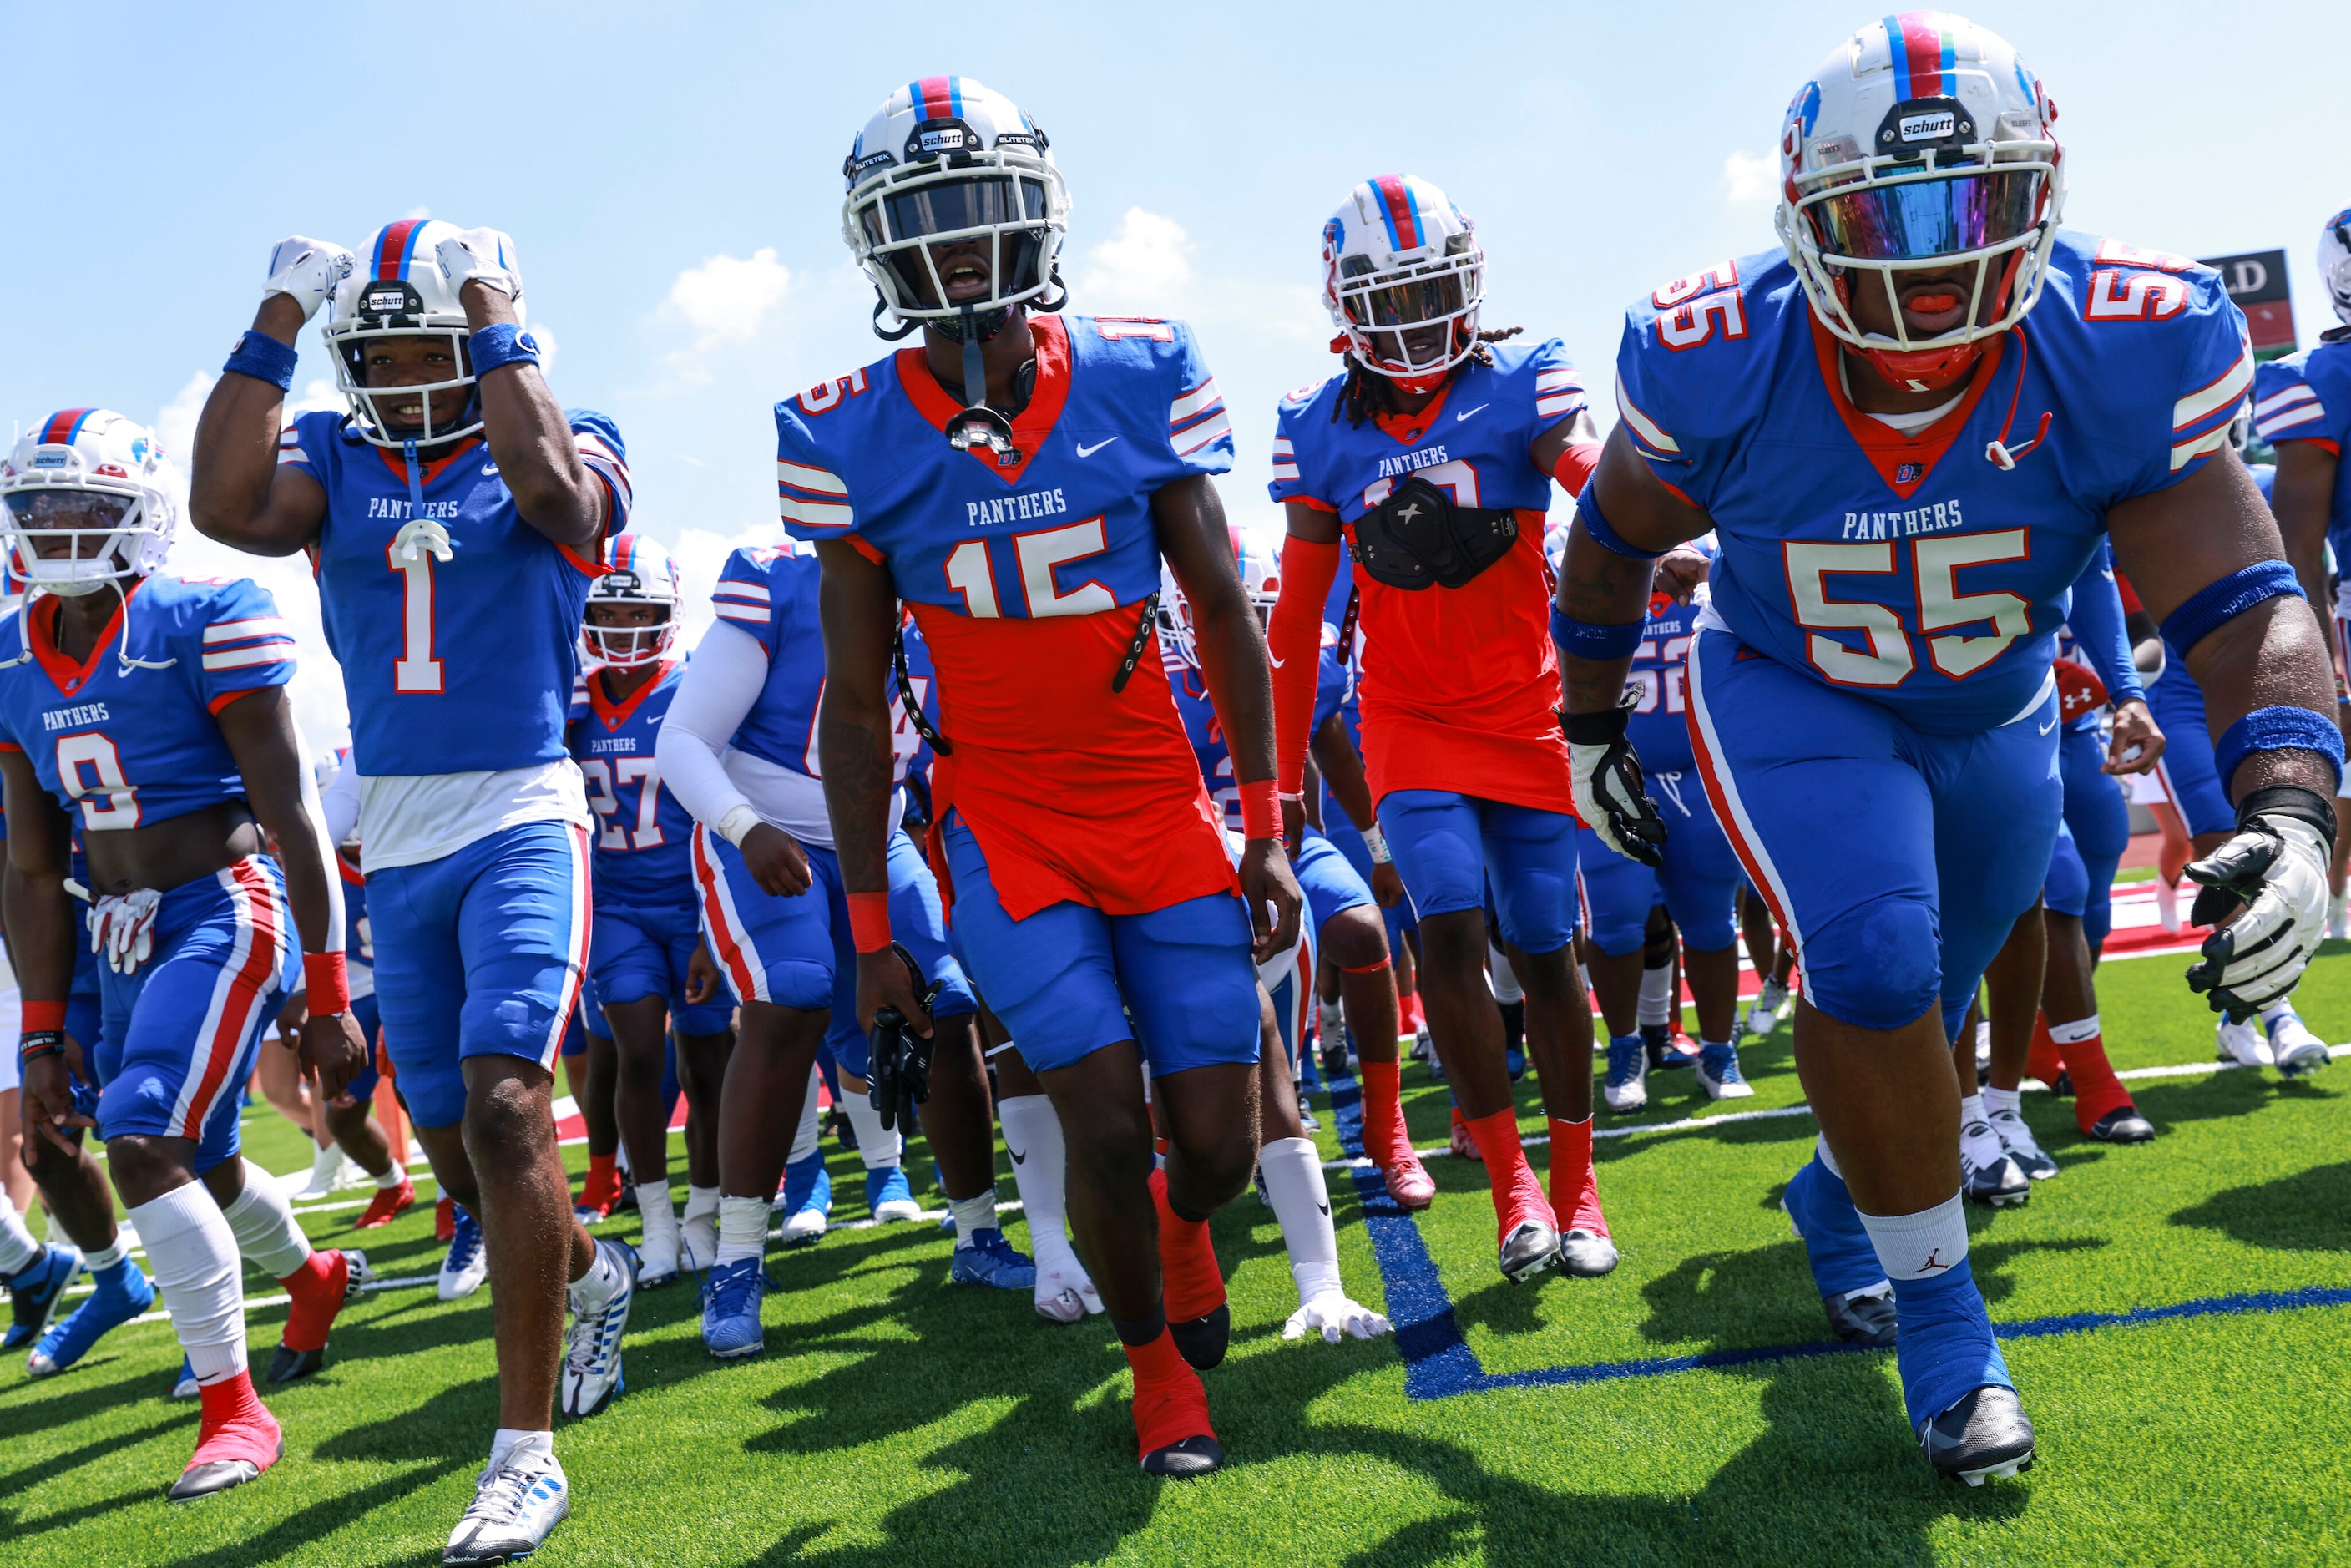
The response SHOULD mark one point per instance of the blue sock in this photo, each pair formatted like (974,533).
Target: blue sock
(1944,1346)
(1842,1257)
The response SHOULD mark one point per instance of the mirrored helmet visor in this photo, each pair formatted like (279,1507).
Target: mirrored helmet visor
(1919,220)
(1403,304)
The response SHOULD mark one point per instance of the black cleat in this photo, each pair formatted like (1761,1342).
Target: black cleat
(2063,1088)
(1984,1435)
(1999,1184)
(1532,1247)
(1191,1456)
(288,1364)
(2123,1125)
(1202,1343)
(1862,1320)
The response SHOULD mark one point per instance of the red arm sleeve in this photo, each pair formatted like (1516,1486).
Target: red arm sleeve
(1293,640)
(1576,464)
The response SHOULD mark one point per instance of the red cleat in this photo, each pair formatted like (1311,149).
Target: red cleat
(444,1221)
(388,1204)
(238,1441)
(319,1288)
(1172,1435)
(1409,1183)
(1191,1285)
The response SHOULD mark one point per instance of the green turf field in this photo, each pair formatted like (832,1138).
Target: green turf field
(895,1420)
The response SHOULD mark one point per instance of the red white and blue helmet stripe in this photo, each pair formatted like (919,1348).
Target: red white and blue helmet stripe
(1399,211)
(395,248)
(938,98)
(1920,43)
(61,427)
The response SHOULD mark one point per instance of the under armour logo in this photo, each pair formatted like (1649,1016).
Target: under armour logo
(1934,1261)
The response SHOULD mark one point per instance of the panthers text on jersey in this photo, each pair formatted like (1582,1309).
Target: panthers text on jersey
(643,852)
(2307,397)
(1916,569)
(1459,686)
(457,665)
(1029,579)
(123,745)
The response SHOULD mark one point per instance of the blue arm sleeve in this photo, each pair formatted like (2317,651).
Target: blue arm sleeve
(2096,619)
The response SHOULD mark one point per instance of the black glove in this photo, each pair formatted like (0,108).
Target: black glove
(898,1076)
(1610,794)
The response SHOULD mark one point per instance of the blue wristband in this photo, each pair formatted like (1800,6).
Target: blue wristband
(1592,639)
(2210,606)
(1587,506)
(500,345)
(265,359)
(2277,729)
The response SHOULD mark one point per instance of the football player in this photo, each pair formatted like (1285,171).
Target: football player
(1433,453)
(152,708)
(1016,477)
(453,518)
(648,918)
(1343,919)
(738,748)
(1911,434)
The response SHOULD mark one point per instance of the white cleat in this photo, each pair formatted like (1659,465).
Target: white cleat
(1335,1317)
(1065,1291)
(2166,904)
(1763,1013)
(2244,1043)
(326,1168)
(2017,1143)
(591,1344)
(516,1506)
(2292,1047)
(466,1263)
(697,1245)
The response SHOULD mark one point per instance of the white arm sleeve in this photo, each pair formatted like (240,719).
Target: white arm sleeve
(315,814)
(341,803)
(725,678)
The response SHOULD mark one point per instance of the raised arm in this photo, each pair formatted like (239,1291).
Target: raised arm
(238,492)
(1198,546)
(278,786)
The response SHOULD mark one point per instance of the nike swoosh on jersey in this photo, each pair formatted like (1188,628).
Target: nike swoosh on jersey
(2050,726)
(488,469)
(1084,450)
(1466,412)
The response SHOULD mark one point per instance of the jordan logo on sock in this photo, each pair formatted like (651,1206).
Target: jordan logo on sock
(1933,1263)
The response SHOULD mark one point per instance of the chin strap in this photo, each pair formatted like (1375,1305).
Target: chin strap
(978,424)
(2001,455)
(420,536)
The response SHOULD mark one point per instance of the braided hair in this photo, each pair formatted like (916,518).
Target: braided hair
(1368,394)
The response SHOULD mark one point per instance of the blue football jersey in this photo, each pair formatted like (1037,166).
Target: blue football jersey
(643,852)
(124,747)
(1916,571)
(460,665)
(2307,397)
(1659,727)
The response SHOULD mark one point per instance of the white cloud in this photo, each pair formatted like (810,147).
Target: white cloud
(1144,262)
(417,213)
(727,299)
(1751,179)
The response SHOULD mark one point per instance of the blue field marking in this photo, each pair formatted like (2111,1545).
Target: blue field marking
(1439,1365)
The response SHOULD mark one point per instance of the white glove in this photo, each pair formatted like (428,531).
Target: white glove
(306,271)
(2275,867)
(1334,1315)
(421,536)
(122,927)
(1606,778)
(482,256)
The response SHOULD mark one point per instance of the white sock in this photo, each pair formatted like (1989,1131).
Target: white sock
(657,1211)
(742,1228)
(1977,1140)
(1500,978)
(1657,996)
(877,1148)
(265,1228)
(601,1283)
(17,1248)
(392,1178)
(1822,1152)
(700,1202)
(1293,1180)
(1330,1021)
(2003,1102)
(509,1439)
(109,1256)
(2270,1015)
(972,1214)
(1033,1136)
(192,1253)
(1919,1246)
(2079,1030)
(804,1140)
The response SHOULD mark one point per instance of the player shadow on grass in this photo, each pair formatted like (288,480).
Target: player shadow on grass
(16,1483)
(2309,1211)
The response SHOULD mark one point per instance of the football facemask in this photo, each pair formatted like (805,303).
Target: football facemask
(1403,276)
(86,504)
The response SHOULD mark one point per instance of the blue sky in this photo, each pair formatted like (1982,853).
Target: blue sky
(672,177)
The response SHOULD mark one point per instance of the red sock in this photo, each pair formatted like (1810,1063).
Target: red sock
(603,1188)
(444,1221)
(1518,1196)
(1169,1403)
(1189,1281)
(1574,1190)
(1409,1015)
(2044,1061)
(1383,1134)
(236,1425)
(318,1288)
(2096,1091)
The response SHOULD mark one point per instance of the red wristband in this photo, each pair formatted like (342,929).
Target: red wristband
(869,921)
(1260,812)
(38,1016)
(327,979)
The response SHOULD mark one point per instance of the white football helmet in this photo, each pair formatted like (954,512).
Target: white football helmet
(96,480)
(1922,144)
(398,289)
(642,573)
(1398,254)
(1260,566)
(2334,263)
(1261,573)
(945,163)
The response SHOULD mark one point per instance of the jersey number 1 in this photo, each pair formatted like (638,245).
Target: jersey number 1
(416,669)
